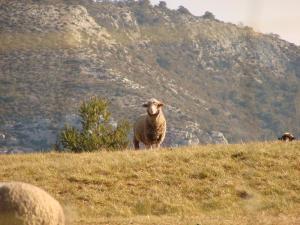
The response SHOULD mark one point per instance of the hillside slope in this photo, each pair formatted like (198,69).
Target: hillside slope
(217,79)
(250,184)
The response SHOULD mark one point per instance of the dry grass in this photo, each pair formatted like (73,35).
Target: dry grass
(257,183)
(36,41)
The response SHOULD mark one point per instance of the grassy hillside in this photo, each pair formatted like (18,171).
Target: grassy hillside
(256,183)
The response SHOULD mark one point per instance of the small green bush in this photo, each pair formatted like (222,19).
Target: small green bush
(183,10)
(163,62)
(96,133)
(208,15)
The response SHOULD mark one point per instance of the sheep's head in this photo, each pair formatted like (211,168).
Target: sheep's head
(153,107)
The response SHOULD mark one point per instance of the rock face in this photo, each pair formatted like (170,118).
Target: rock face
(25,204)
(220,82)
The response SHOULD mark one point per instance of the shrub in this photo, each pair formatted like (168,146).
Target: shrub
(163,62)
(97,132)
(214,111)
(144,2)
(162,4)
(208,15)
(183,10)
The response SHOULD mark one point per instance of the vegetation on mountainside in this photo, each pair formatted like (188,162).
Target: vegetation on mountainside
(249,184)
(96,131)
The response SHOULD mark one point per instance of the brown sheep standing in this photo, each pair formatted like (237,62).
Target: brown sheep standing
(25,204)
(287,137)
(150,129)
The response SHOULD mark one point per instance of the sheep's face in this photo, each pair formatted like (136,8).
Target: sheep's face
(153,107)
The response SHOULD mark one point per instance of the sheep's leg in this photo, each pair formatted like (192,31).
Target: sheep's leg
(136,143)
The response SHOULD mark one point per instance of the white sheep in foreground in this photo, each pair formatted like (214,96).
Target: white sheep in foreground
(25,204)
(150,129)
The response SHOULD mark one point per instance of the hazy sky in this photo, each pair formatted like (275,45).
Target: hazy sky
(268,16)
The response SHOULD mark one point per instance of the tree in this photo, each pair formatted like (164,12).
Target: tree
(162,4)
(97,132)
(144,2)
(183,10)
(208,15)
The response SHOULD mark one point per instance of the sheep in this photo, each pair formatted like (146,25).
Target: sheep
(150,129)
(25,204)
(287,137)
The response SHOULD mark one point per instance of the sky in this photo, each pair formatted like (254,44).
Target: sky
(280,17)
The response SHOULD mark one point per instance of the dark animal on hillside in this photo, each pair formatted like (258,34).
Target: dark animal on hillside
(287,137)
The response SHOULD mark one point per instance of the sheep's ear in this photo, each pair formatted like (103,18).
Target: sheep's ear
(145,105)
(160,104)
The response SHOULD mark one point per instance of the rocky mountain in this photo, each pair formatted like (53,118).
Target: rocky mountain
(219,81)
